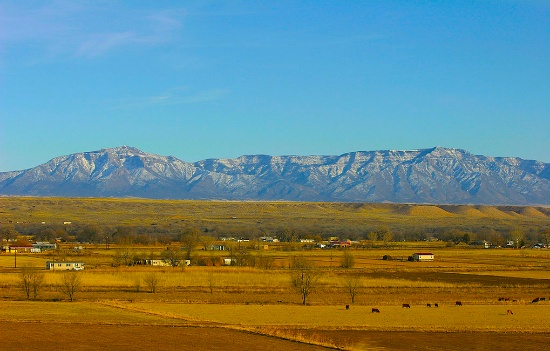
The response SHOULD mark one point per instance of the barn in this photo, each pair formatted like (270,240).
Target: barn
(423,256)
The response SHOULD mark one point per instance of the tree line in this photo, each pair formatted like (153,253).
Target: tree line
(375,235)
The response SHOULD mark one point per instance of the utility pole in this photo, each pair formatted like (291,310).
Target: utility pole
(15,258)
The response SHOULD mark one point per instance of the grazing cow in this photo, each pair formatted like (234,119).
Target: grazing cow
(501,299)
(542,298)
(509,312)
(429,305)
(458,303)
(436,305)
(375,310)
(406,305)
(535,300)
(347,307)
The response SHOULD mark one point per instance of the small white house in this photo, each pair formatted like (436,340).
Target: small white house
(228,261)
(423,256)
(217,247)
(65,265)
(165,263)
(158,263)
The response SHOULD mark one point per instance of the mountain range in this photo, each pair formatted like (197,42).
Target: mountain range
(435,175)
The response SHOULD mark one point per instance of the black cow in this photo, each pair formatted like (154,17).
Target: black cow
(375,310)
(406,305)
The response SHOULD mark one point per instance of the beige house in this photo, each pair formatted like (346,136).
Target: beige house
(164,263)
(65,265)
(158,263)
(423,256)
(228,261)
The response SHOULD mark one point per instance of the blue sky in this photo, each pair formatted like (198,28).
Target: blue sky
(220,79)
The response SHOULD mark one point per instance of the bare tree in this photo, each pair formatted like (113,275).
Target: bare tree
(206,241)
(517,235)
(37,282)
(385,234)
(545,237)
(189,239)
(243,257)
(123,257)
(372,238)
(70,284)
(304,278)
(137,284)
(8,232)
(352,285)
(152,280)
(348,260)
(172,256)
(25,280)
(211,281)
(264,261)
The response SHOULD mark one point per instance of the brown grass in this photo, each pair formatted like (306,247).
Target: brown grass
(137,326)
(493,212)
(468,211)
(422,211)
(129,337)
(531,212)
(260,306)
(230,217)
(226,308)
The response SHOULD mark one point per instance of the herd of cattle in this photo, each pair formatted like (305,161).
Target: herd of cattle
(459,303)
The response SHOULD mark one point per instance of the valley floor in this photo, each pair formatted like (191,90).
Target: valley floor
(116,325)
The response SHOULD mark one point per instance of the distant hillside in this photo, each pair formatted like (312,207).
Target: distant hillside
(437,175)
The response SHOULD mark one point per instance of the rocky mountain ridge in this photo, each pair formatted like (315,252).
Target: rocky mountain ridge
(436,175)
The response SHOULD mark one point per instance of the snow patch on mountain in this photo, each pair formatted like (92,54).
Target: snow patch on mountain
(435,175)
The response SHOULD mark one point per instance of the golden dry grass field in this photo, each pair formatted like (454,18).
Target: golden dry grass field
(251,306)
(236,308)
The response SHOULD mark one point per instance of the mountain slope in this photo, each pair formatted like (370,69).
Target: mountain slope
(436,175)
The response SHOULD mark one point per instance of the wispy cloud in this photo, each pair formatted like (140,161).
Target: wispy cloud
(75,29)
(99,44)
(176,96)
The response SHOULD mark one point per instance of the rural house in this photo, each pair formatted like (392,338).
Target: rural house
(21,248)
(229,261)
(423,256)
(164,263)
(158,263)
(43,246)
(65,265)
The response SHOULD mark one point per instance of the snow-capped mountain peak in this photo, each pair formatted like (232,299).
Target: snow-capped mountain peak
(434,175)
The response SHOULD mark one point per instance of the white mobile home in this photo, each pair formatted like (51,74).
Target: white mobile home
(65,265)
(423,256)
(158,263)
(43,246)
